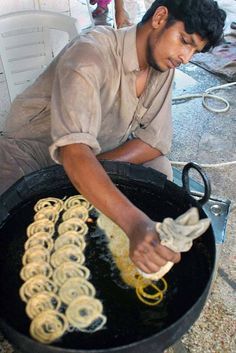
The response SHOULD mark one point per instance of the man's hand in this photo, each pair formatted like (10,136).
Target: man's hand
(145,249)
(122,18)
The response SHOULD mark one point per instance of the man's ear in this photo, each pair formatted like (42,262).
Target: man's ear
(160,16)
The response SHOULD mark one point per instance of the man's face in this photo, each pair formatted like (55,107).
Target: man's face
(169,47)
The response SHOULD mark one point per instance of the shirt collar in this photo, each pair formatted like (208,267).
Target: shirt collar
(130,56)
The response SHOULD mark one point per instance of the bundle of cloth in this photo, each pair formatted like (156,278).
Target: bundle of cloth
(178,235)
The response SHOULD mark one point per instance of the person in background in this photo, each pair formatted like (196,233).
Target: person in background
(121,15)
(128,11)
(102,7)
(107,96)
(125,10)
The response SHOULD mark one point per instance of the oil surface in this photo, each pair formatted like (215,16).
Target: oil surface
(128,320)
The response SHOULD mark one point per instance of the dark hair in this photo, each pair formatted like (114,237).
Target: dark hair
(199,16)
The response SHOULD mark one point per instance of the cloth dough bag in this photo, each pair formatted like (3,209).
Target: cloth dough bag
(178,235)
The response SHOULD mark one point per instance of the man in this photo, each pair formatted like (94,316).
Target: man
(104,86)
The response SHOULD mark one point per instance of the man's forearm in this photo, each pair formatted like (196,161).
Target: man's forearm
(89,177)
(132,151)
(119,5)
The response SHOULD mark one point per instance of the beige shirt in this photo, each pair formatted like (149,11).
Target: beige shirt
(88,95)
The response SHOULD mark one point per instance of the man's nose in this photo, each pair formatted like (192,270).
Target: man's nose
(186,55)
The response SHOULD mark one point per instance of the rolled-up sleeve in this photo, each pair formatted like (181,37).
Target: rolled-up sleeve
(155,128)
(75,104)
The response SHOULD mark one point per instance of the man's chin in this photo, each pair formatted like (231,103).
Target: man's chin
(159,68)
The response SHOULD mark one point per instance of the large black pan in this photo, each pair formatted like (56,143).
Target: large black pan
(132,326)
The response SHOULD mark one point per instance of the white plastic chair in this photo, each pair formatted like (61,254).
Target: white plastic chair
(26,45)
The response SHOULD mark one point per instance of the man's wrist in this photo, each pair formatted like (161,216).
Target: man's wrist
(134,221)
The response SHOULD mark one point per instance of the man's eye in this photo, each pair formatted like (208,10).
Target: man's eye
(183,40)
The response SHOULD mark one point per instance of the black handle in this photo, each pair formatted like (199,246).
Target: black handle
(206,181)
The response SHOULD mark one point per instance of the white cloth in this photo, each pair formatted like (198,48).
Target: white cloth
(178,235)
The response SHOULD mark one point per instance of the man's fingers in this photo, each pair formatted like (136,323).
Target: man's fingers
(143,267)
(155,258)
(177,258)
(149,255)
(167,254)
(148,261)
